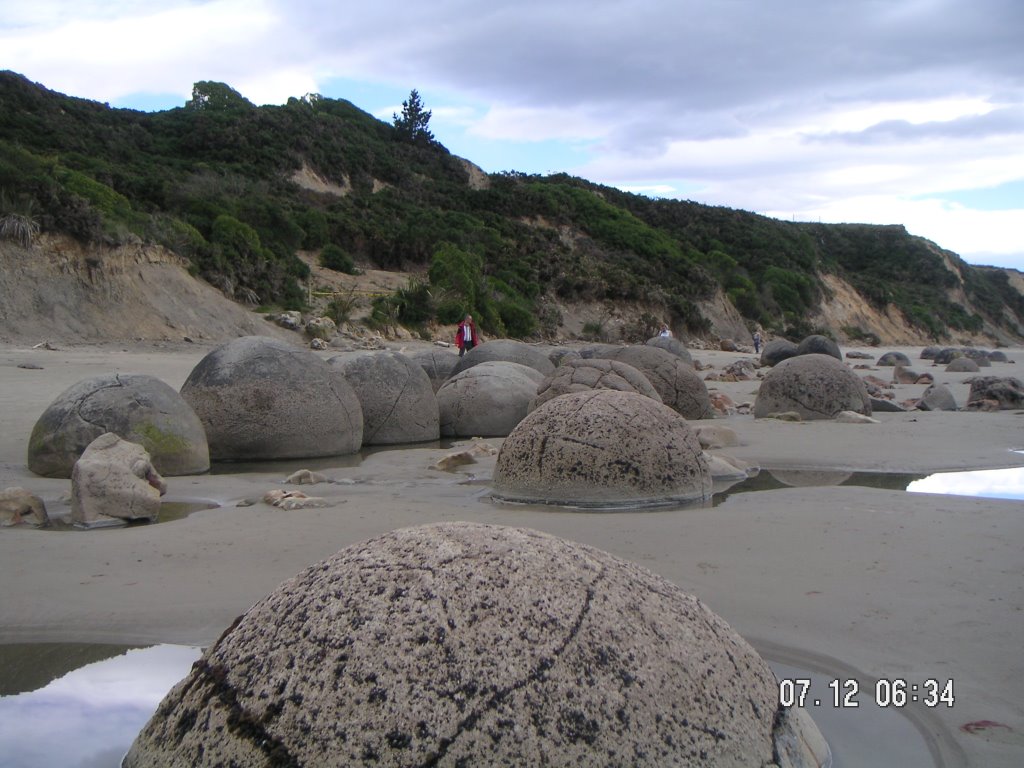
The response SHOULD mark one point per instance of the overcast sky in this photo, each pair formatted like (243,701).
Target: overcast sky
(879,111)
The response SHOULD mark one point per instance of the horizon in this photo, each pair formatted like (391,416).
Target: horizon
(908,114)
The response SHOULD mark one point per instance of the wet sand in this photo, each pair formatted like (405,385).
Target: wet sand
(851,581)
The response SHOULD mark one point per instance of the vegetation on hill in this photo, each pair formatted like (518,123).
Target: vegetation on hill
(215,181)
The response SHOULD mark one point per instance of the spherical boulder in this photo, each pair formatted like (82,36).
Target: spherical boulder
(602,448)
(815,386)
(138,408)
(508,351)
(777,350)
(962,365)
(487,400)
(398,402)
(893,358)
(466,644)
(929,353)
(438,364)
(679,385)
(819,345)
(585,375)
(937,397)
(260,399)
(947,355)
(997,356)
(672,345)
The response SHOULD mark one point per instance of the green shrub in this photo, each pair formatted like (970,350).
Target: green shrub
(334,257)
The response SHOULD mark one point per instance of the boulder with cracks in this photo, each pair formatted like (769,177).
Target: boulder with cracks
(466,644)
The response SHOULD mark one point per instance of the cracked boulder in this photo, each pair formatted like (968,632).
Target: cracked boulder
(487,400)
(506,351)
(438,364)
(814,386)
(586,375)
(261,399)
(602,449)
(465,644)
(1007,391)
(397,399)
(678,384)
(139,408)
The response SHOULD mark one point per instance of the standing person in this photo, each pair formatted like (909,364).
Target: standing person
(465,335)
(665,332)
(757,342)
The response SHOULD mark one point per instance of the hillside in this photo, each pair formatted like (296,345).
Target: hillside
(249,199)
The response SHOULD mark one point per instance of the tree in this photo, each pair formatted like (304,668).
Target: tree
(411,126)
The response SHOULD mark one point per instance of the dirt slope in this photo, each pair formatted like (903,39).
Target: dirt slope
(60,291)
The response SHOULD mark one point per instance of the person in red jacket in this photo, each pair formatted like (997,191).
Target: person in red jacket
(465,335)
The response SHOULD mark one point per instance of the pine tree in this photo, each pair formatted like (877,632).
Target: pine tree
(411,126)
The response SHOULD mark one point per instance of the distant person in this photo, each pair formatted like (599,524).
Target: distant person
(665,332)
(465,335)
(757,342)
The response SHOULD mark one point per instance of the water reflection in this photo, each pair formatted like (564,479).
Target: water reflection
(100,708)
(988,483)
(97,710)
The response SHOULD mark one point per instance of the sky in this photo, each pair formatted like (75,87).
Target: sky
(874,111)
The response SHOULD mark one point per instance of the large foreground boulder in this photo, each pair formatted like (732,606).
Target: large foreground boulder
(506,351)
(681,388)
(602,448)
(815,386)
(459,644)
(398,401)
(486,400)
(114,482)
(141,409)
(262,399)
(586,375)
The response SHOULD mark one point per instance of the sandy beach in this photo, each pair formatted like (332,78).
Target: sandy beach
(850,581)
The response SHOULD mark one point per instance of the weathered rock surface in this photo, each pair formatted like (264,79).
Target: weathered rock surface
(602,448)
(947,355)
(487,400)
(508,351)
(819,345)
(937,397)
(672,345)
(893,358)
(680,386)
(1005,390)
(114,481)
(260,399)
(777,350)
(22,507)
(814,386)
(398,401)
(586,375)
(466,644)
(139,408)
(963,365)
(438,364)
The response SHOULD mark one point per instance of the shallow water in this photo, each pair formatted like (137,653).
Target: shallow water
(98,697)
